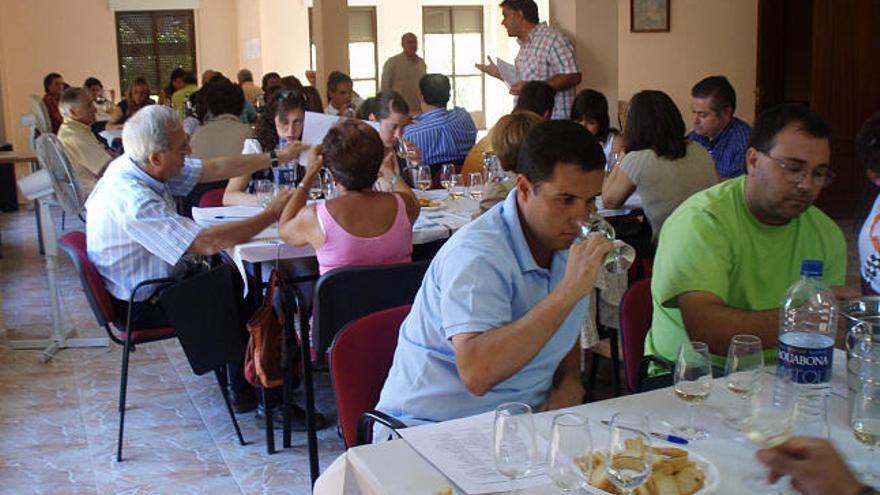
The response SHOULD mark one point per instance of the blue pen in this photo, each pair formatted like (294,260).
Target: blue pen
(668,438)
(225,217)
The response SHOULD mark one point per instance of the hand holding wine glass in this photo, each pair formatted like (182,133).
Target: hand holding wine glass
(629,457)
(595,224)
(769,421)
(693,384)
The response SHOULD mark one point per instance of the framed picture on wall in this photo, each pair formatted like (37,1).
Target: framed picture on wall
(649,16)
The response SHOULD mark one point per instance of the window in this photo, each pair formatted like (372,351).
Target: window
(363,56)
(152,44)
(453,44)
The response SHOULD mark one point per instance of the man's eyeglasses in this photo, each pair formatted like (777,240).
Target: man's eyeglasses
(795,173)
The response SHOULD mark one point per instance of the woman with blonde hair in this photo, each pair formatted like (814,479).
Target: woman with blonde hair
(137,96)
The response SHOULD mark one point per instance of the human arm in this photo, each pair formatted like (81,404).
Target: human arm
(391,181)
(568,390)
(214,239)
(235,192)
(115,117)
(484,359)
(617,189)
(296,225)
(225,167)
(708,319)
(814,466)
(489,69)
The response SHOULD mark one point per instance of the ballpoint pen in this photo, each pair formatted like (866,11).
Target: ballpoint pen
(661,436)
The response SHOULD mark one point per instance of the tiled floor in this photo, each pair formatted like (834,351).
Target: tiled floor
(58,421)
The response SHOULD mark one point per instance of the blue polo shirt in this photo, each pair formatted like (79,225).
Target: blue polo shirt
(728,149)
(483,278)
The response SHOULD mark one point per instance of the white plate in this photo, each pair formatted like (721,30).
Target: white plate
(713,477)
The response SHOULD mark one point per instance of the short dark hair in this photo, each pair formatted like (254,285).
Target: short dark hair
(47,81)
(528,8)
(388,102)
(771,122)
(868,143)
(268,77)
(245,75)
(588,105)
(222,96)
(313,99)
(368,107)
(353,151)
(558,141)
(291,82)
(190,77)
(719,89)
(336,78)
(435,89)
(93,81)
(536,96)
(653,122)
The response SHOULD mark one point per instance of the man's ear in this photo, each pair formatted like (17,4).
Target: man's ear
(873,176)
(751,159)
(154,159)
(524,187)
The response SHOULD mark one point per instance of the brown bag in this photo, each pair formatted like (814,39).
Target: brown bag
(264,358)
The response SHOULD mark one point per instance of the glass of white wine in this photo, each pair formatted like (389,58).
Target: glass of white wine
(264,189)
(865,425)
(514,445)
(421,177)
(316,190)
(693,384)
(629,457)
(457,187)
(475,186)
(447,170)
(570,459)
(769,420)
(745,361)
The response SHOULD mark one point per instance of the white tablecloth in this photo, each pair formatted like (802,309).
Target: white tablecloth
(395,468)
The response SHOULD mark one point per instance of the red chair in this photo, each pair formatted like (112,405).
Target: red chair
(636,312)
(74,243)
(212,198)
(360,358)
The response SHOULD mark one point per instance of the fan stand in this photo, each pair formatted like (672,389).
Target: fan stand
(60,339)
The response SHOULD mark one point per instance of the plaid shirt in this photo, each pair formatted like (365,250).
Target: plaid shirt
(728,149)
(546,53)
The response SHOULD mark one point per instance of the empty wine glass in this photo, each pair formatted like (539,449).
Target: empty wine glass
(264,189)
(447,170)
(513,442)
(330,190)
(570,459)
(421,177)
(769,420)
(475,186)
(693,384)
(865,425)
(629,458)
(615,262)
(457,187)
(745,362)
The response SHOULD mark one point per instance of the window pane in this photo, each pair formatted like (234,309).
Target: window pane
(469,93)
(360,25)
(436,20)
(468,51)
(467,20)
(365,88)
(362,60)
(438,53)
(314,57)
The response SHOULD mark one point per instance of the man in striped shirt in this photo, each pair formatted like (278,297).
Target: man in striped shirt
(545,54)
(723,135)
(133,230)
(443,136)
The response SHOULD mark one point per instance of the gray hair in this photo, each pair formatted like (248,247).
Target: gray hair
(244,75)
(71,99)
(149,131)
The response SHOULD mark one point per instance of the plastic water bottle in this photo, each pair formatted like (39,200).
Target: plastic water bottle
(807,330)
(284,175)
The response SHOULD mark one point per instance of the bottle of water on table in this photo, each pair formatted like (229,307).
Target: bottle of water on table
(807,330)
(284,175)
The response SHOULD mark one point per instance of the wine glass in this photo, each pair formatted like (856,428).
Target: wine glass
(265,191)
(457,187)
(629,457)
(595,224)
(865,425)
(447,170)
(570,458)
(693,384)
(475,186)
(316,190)
(513,442)
(769,420)
(330,190)
(404,153)
(745,361)
(421,177)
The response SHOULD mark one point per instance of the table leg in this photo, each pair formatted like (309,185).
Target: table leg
(308,385)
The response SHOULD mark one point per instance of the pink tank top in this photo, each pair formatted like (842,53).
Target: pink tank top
(343,249)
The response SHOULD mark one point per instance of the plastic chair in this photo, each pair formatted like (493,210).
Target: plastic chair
(74,243)
(212,198)
(360,359)
(636,312)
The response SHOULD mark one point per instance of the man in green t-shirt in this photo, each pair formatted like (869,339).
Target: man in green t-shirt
(727,255)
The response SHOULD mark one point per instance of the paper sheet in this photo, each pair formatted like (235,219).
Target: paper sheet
(315,127)
(462,451)
(508,71)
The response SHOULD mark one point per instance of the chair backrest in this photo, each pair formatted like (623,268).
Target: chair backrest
(343,295)
(212,198)
(41,114)
(635,321)
(74,243)
(359,362)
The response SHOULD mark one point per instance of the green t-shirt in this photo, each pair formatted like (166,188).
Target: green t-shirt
(713,243)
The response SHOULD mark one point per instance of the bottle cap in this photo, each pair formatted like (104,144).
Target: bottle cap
(811,268)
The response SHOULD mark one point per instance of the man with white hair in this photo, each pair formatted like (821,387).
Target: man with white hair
(87,155)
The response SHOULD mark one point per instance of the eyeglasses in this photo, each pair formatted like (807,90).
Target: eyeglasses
(795,173)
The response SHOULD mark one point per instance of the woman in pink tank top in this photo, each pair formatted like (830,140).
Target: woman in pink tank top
(360,226)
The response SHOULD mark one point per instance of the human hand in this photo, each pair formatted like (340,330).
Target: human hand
(565,394)
(292,151)
(490,68)
(585,259)
(311,77)
(517,87)
(815,467)
(413,154)
(276,206)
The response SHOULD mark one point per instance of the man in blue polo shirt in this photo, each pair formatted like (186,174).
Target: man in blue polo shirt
(499,312)
(723,135)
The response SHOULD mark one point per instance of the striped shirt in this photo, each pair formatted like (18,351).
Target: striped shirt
(442,135)
(545,53)
(728,149)
(133,230)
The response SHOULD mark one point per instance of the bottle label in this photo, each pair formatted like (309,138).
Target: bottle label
(284,175)
(805,365)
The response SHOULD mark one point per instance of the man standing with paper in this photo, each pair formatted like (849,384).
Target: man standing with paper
(545,54)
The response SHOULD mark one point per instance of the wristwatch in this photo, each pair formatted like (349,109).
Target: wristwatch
(274,157)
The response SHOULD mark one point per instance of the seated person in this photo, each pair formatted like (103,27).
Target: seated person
(499,312)
(661,165)
(175,82)
(87,155)
(590,109)
(868,147)
(339,95)
(53,85)
(723,135)
(95,88)
(222,133)
(537,97)
(246,82)
(507,136)
(728,254)
(283,116)
(180,96)
(360,226)
(137,96)
(442,135)
(391,111)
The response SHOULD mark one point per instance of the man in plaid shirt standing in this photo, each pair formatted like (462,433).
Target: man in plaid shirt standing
(545,54)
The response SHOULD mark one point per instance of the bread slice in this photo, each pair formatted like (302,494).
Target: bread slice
(690,480)
(662,484)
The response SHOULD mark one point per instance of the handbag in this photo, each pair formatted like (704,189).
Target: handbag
(265,354)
